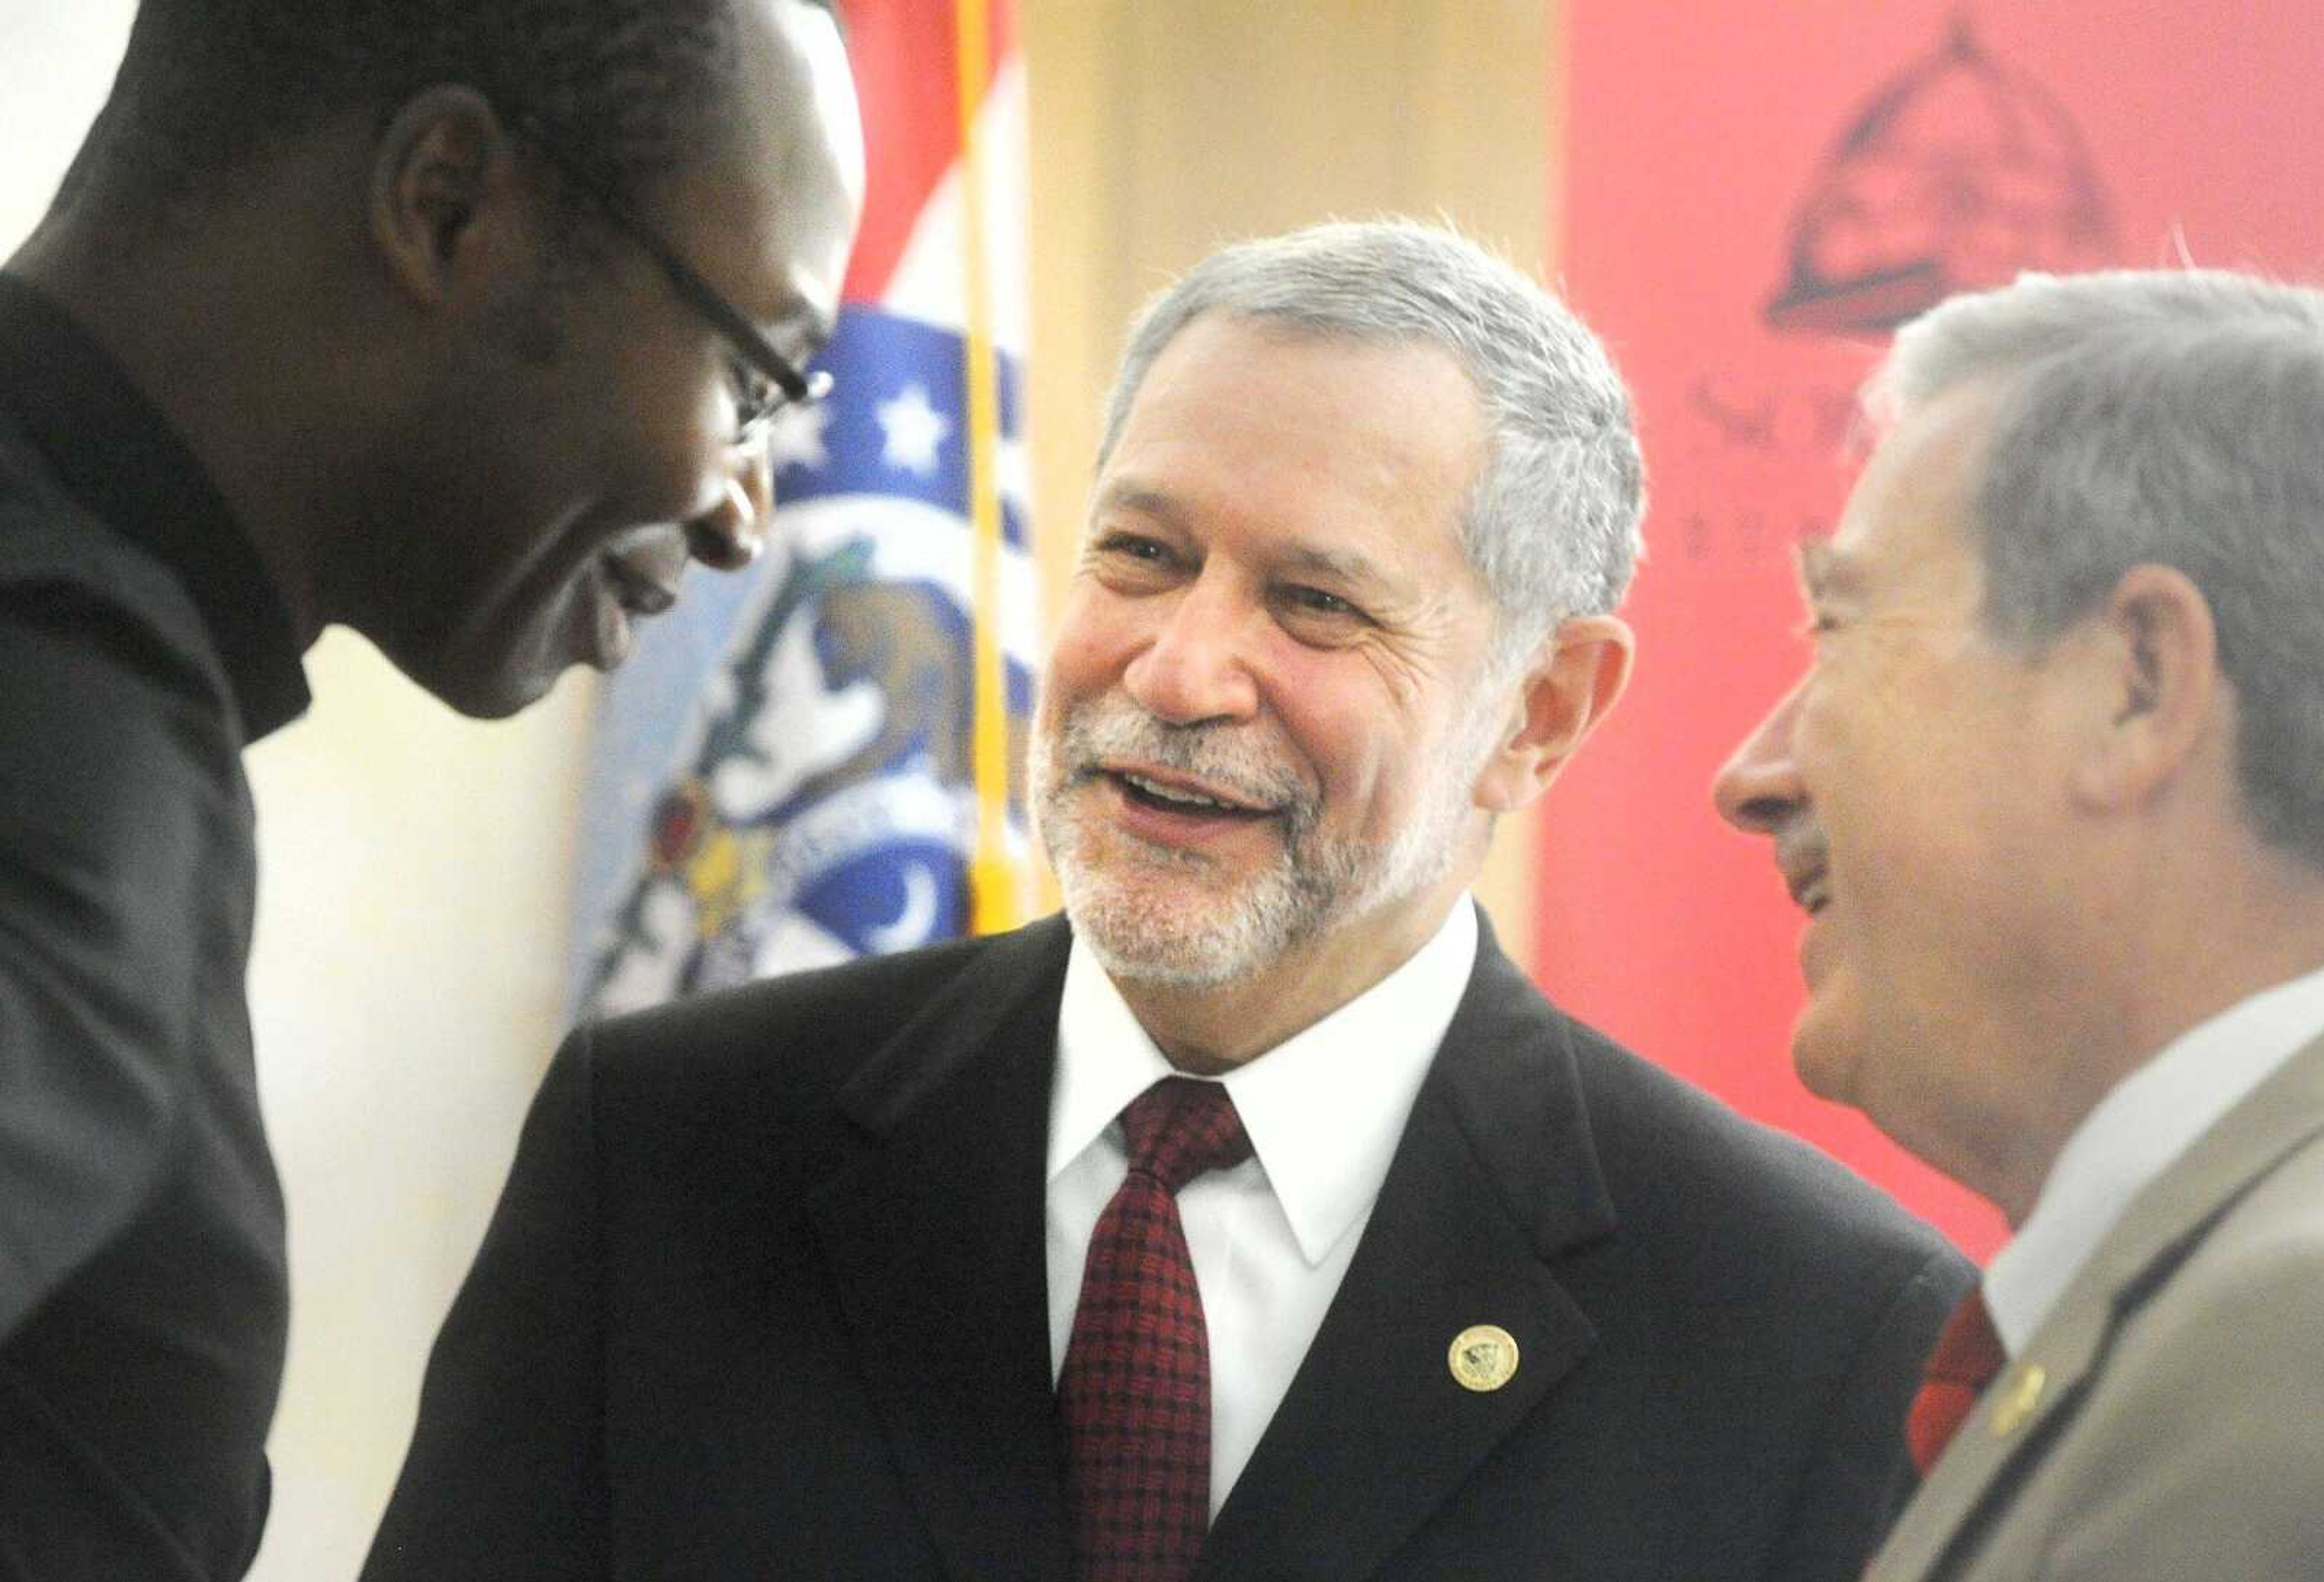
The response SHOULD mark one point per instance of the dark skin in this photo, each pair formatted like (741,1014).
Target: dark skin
(437,427)
(195,316)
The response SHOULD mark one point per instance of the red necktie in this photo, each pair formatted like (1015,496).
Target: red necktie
(1135,1392)
(1967,1357)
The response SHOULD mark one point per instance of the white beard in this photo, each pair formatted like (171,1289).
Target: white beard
(1174,919)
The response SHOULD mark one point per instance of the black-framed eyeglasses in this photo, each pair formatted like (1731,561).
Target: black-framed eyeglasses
(767,380)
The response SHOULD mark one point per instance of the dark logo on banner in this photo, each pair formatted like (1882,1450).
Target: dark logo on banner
(1957,174)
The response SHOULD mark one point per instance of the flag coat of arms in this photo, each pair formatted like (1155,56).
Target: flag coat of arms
(816,759)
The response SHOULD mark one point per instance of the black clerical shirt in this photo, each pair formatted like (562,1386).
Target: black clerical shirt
(143,1292)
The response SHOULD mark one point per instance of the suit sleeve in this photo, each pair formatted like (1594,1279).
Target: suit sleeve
(1861,1475)
(505,1476)
(109,766)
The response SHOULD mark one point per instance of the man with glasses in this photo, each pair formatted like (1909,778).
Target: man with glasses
(452,321)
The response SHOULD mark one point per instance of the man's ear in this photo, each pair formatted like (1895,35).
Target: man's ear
(1572,683)
(2158,694)
(443,169)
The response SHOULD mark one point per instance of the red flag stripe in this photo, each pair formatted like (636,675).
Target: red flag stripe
(903,56)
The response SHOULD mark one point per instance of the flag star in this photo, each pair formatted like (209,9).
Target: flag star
(1014,466)
(914,430)
(796,437)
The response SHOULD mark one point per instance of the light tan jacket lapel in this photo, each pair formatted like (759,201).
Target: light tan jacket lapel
(2029,1409)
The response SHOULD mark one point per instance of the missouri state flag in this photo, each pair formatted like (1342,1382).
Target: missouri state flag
(816,759)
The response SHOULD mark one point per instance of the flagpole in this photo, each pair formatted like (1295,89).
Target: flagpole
(994,898)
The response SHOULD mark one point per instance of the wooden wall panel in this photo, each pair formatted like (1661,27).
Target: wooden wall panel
(1161,130)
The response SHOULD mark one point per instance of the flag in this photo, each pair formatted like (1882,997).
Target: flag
(817,759)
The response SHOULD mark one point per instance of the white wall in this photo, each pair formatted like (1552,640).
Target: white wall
(56,62)
(408,978)
(407,989)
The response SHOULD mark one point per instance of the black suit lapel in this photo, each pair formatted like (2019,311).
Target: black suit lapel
(935,1237)
(1494,1176)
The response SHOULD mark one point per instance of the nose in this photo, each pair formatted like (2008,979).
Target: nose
(729,536)
(1759,788)
(1194,668)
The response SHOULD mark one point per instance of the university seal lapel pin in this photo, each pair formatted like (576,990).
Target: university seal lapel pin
(1483,1357)
(2021,1392)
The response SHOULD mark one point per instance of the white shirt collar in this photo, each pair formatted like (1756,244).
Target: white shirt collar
(1323,1109)
(2133,1136)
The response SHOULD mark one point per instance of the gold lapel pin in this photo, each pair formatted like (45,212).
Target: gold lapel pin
(2019,1396)
(1483,1357)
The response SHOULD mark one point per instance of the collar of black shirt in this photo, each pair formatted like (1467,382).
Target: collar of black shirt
(119,456)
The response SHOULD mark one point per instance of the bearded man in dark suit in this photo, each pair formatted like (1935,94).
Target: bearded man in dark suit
(958,1264)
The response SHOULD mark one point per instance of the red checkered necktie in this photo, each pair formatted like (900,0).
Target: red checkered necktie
(1135,1392)
(1967,1357)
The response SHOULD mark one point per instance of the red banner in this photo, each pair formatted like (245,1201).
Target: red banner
(1755,194)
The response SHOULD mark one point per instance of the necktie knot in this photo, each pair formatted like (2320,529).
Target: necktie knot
(1967,1357)
(1180,1128)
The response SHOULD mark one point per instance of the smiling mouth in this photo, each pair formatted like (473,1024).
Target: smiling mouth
(635,591)
(1804,859)
(1146,790)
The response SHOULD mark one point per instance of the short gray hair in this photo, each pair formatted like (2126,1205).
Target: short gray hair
(2165,418)
(1551,526)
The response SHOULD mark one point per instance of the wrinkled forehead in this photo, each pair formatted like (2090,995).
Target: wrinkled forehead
(1391,420)
(1913,498)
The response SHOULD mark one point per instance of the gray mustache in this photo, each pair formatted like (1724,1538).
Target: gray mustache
(1225,755)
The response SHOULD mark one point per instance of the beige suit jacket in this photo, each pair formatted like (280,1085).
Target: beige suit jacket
(2167,1421)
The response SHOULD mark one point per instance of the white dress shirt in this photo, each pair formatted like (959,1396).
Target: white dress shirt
(1270,1238)
(2135,1132)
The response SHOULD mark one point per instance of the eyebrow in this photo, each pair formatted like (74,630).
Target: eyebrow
(1350,566)
(1344,565)
(1130,494)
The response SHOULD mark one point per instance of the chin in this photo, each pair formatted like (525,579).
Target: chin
(486,693)
(498,672)
(1823,1058)
(1146,928)
(498,705)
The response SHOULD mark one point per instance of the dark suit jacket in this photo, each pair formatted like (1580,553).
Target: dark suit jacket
(765,1298)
